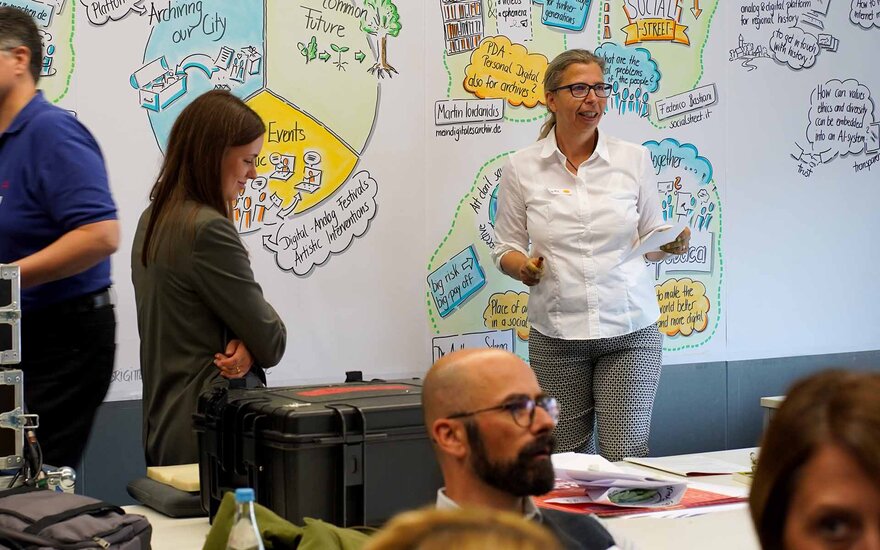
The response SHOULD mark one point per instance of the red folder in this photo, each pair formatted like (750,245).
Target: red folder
(693,498)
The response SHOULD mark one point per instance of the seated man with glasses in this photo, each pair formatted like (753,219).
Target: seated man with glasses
(492,430)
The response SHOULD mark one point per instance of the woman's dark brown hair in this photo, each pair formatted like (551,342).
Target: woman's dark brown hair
(830,408)
(201,135)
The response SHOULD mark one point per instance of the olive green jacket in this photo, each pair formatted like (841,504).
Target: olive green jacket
(197,294)
(279,534)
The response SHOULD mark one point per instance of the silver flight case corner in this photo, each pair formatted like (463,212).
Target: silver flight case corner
(11,419)
(11,381)
(10,315)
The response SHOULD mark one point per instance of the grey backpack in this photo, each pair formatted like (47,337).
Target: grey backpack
(38,518)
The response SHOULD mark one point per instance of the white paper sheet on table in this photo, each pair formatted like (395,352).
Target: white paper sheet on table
(605,483)
(688,465)
(582,462)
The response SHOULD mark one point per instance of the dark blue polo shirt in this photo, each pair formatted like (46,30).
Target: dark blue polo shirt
(52,180)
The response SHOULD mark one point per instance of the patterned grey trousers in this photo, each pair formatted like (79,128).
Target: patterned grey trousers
(609,383)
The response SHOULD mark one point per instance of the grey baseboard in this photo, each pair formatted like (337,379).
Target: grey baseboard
(114,454)
(716,406)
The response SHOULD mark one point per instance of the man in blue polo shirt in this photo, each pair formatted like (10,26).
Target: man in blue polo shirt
(58,224)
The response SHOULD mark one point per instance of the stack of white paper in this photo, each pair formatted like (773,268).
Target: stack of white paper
(605,483)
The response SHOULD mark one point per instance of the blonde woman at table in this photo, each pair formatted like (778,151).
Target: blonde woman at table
(462,529)
(817,485)
(202,317)
(571,209)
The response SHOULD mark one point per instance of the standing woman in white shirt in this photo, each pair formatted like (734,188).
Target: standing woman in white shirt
(571,208)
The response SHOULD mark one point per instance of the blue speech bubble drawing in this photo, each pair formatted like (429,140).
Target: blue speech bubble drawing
(669,153)
(633,75)
(565,14)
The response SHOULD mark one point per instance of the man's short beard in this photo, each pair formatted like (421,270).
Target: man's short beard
(521,477)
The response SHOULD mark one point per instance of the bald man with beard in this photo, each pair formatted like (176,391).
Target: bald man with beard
(492,430)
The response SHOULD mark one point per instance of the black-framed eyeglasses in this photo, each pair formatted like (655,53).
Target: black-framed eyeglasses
(522,409)
(581,89)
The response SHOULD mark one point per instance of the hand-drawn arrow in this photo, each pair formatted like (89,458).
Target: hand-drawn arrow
(137,7)
(467,264)
(360,56)
(293,204)
(324,56)
(696,9)
(197,61)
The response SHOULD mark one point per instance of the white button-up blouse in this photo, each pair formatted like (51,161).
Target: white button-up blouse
(585,226)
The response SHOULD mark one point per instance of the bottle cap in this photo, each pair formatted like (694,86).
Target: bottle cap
(244,494)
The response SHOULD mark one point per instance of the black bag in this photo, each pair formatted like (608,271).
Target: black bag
(31,517)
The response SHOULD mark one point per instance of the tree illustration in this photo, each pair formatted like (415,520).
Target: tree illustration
(382,21)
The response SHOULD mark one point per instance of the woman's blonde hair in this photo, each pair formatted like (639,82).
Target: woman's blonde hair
(462,529)
(553,77)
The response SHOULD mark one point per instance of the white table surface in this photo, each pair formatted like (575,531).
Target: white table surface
(773,402)
(173,534)
(726,527)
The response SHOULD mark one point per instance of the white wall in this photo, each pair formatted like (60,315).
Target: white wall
(790,267)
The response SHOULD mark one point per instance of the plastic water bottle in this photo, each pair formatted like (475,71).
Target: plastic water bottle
(244,534)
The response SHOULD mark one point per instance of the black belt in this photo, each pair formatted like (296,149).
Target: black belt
(83,304)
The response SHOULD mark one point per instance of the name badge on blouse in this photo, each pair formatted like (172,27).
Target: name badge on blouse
(560,191)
